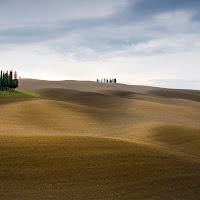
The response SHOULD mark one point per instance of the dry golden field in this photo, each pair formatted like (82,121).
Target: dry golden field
(87,140)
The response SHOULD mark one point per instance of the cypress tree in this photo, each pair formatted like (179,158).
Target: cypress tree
(1,80)
(6,80)
(15,75)
(10,80)
(15,81)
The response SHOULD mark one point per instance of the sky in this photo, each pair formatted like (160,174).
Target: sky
(143,42)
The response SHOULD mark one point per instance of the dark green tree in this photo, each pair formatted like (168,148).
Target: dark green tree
(6,80)
(10,81)
(15,81)
(1,80)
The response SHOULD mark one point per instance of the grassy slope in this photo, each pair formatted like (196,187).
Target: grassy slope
(28,93)
(7,97)
(16,94)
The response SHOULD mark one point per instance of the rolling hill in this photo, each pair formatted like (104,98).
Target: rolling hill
(87,140)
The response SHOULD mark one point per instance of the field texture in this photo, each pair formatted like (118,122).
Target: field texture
(86,140)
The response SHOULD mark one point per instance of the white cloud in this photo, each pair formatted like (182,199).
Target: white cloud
(32,61)
(175,43)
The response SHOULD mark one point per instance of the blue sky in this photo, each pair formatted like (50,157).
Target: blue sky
(148,42)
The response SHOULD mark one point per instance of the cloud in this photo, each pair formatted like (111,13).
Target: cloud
(24,12)
(172,44)
(150,8)
(26,21)
(103,25)
(40,61)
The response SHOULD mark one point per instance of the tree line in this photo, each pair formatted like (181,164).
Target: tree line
(105,80)
(8,81)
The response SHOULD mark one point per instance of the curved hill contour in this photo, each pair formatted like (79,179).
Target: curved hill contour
(86,140)
(64,167)
(90,86)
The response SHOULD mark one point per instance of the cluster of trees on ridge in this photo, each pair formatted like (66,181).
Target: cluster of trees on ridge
(8,81)
(105,80)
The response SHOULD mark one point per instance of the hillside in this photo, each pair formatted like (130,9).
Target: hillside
(62,167)
(88,86)
(109,141)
